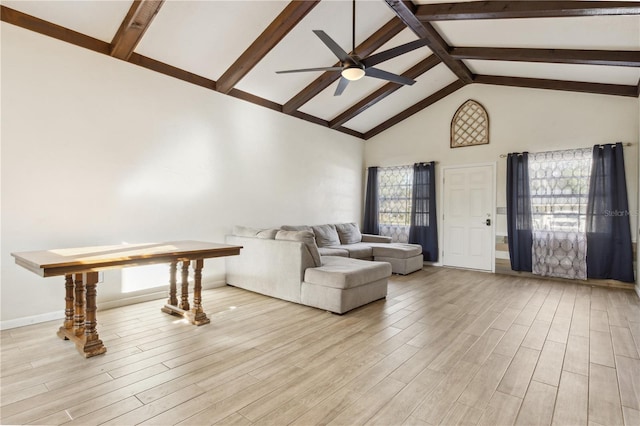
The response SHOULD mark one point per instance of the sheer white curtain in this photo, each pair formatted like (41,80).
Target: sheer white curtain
(559,182)
(394,201)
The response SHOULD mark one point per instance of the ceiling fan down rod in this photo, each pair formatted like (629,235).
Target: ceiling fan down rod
(353,28)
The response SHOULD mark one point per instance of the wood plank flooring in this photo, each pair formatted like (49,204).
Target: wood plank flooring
(446,347)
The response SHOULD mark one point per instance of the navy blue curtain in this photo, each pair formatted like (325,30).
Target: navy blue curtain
(371,208)
(609,250)
(519,223)
(424,228)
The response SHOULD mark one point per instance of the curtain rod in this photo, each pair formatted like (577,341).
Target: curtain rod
(405,165)
(624,144)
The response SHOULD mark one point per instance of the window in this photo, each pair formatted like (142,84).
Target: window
(559,185)
(394,200)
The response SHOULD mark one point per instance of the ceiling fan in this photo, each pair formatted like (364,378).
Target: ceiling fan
(353,68)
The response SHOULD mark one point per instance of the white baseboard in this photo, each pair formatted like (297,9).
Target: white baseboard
(35,319)
(637,287)
(59,315)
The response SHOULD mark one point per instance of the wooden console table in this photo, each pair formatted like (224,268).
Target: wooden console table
(80,268)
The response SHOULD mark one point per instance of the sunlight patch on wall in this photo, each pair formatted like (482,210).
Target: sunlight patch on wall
(145,277)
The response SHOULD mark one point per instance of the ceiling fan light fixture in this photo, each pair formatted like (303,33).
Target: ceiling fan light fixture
(353,72)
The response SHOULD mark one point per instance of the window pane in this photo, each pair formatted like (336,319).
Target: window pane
(395,192)
(559,184)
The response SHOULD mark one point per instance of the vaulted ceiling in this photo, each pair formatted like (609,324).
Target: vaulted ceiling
(235,47)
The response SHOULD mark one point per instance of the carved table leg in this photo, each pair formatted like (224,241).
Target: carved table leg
(92,344)
(79,306)
(80,320)
(173,300)
(197,315)
(184,296)
(69,311)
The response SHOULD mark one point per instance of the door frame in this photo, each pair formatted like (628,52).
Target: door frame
(494,208)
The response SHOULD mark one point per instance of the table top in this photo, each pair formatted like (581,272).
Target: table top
(55,262)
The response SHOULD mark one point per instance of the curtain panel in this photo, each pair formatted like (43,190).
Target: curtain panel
(559,186)
(609,249)
(424,229)
(519,223)
(371,209)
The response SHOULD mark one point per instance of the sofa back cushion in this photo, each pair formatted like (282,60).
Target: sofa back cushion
(246,231)
(296,228)
(349,233)
(326,235)
(305,237)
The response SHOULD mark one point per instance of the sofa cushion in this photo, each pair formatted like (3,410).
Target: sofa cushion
(333,251)
(296,228)
(343,273)
(326,235)
(246,231)
(307,238)
(396,250)
(357,250)
(349,233)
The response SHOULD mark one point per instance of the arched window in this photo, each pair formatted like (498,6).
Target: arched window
(470,125)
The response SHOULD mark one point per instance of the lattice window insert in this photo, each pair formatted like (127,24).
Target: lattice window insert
(470,125)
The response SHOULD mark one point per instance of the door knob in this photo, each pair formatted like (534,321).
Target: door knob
(488,222)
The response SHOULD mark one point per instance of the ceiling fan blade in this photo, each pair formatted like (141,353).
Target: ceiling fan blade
(385,75)
(393,52)
(342,84)
(337,50)
(311,69)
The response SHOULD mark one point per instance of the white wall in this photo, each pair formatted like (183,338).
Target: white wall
(96,151)
(520,120)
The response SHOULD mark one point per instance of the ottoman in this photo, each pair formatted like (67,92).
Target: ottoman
(342,284)
(404,258)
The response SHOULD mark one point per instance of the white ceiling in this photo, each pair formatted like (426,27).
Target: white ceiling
(206,37)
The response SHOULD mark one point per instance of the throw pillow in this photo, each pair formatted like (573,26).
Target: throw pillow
(349,233)
(303,236)
(245,231)
(268,234)
(326,235)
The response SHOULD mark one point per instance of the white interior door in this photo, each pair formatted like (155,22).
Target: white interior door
(469,200)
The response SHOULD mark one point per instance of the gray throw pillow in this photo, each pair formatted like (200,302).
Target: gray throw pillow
(349,233)
(303,236)
(326,235)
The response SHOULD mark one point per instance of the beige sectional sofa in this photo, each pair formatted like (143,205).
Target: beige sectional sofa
(308,265)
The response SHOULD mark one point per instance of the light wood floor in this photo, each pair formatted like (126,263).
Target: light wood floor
(445,347)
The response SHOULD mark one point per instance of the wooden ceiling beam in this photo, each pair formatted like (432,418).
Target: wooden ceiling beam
(430,100)
(523,9)
(292,14)
(171,71)
(49,29)
(133,27)
(568,86)
(366,48)
(625,58)
(412,73)
(404,9)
